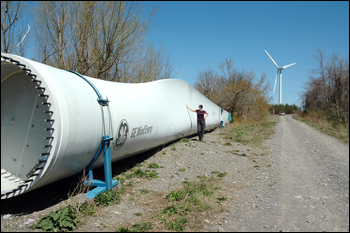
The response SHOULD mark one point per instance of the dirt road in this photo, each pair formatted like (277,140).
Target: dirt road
(307,191)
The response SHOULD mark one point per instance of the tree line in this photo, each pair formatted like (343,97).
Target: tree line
(327,90)
(101,39)
(239,92)
(288,109)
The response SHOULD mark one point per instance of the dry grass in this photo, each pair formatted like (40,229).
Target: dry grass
(250,133)
(338,131)
(184,214)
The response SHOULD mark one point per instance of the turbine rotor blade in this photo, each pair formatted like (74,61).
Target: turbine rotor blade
(275,83)
(272,59)
(283,67)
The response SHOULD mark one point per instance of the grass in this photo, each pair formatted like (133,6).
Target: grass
(182,170)
(222,198)
(137,227)
(250,133)
(107,198)
(338,131)
(142,174)
(144,191)
(187,202)
(153,165)
(138,214)
(219,174)
(184,140)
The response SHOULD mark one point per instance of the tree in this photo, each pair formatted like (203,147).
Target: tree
(13,34)
(101,39)
(240,93)
(327,90)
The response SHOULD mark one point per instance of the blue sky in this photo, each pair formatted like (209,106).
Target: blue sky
(199,35)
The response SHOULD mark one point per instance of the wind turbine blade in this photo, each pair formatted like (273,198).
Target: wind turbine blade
(288,65)
(275,83)
(272,59)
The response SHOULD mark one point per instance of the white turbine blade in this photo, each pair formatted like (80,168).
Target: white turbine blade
(275,83)
(288,65)
(272,59)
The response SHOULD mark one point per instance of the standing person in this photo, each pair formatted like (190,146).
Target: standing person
(200,120)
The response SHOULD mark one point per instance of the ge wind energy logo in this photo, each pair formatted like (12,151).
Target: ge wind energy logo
(122,134)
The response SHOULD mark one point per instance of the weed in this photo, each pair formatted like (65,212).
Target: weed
(222,174)
(129,184)
(143,174)
(164,153)
(228,144)
(237,150)
(184,140)
(107,198)
(242,154)
(144,191)
(138,165)
(61,220)
(256,166)
(177,225)
(173,149)
(172,176)
(254,160)
(124,229)
(182,170)
(153,165)
(138,214)
(201,177)
(202,153)
(88,208)
(222,198)
(219,174)
(248,149)
(143,226)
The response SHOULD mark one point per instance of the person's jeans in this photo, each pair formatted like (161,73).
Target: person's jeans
(200,129)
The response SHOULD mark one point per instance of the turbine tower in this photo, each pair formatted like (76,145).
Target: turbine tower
(279,72)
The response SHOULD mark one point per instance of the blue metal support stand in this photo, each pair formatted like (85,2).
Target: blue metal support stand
(105,144)
(109,182)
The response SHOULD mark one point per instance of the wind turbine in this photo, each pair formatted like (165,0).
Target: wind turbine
(279,71)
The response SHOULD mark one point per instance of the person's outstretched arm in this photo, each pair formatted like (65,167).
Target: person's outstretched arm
(190,109)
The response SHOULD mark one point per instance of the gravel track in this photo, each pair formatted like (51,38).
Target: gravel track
(296,181)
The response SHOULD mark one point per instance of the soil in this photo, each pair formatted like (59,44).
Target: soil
(296,181)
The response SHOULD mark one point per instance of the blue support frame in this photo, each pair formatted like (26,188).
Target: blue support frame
(109,182)
(105,144)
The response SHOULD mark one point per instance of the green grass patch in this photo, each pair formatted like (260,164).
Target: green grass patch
(142,174)
(251,133)
(138,165)
(182,170)
(153,165)
(228,144)
(107,198)
(144,191)
(184,140)
(138,214)
(88,208)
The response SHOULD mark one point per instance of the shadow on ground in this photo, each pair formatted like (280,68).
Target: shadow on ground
(54,193)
